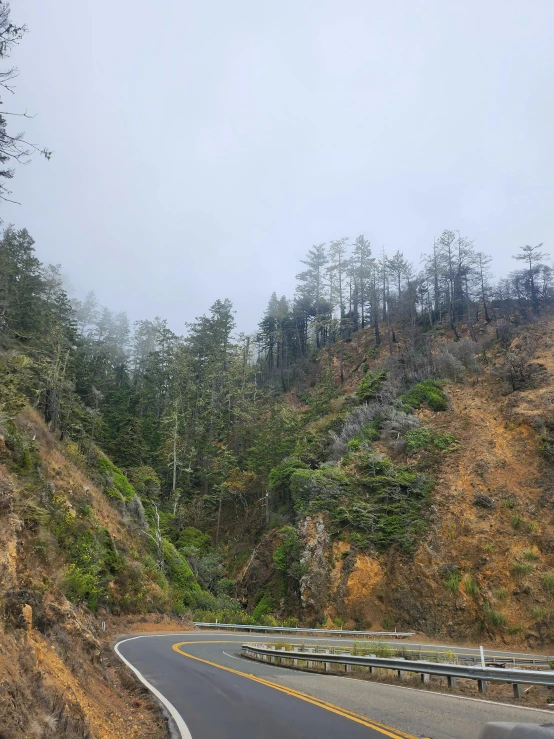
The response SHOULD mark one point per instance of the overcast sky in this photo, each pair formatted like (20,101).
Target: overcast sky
(201,147)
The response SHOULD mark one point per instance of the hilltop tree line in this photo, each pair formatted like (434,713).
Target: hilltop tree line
(345,288)
(198,416)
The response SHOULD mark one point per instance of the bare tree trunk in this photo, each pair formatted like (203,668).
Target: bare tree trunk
(158,539)
(175,430)
(218,519)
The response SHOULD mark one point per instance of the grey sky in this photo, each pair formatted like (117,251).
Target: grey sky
(202,147)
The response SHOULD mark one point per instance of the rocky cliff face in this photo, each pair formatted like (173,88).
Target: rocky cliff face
(486,561)
(315,583)
(58,674)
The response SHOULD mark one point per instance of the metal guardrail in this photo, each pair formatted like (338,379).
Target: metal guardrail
(497,730)
(422,652)
(483,675)
(300,630)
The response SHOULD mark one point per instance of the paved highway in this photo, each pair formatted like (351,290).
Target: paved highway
(214,693)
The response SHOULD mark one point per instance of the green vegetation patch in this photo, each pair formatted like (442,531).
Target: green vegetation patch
(286,556)
(368,433)
(424,438)
(547,581)
(116,485)
(264,606)
(193,537)
(469,585)
(178,571)
(428,393)
(280,476)
(370,385)
(452,580)
(325,485)
(372,503)
(493,618)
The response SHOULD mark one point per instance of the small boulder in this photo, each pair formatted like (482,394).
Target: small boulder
(483,501)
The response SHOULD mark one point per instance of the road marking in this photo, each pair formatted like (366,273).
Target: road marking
(175,715)
(389,685)
(232,656)
(345,713)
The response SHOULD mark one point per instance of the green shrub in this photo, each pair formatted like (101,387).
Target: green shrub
(361,541)
(178,572)
(427,393)
(423,438)
(225,586)
(268,620)
(291,622)
(280,476)
(488,547)
(517,522)
(469,585)
(500,594)
(80,586)
(540,614)
(379,649)
(367,433)
(446,442)
(387,623)
(417,439)
(520,569)
(547,581)
(263,608)
(452,581)
(116,485)
(327,484)
(531,555)
(192,537)
(286,556)
(493,618)
(369,385)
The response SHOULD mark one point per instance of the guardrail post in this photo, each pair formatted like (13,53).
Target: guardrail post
(401,673)
(348,668)
(310,664)
(425,677)
(482,686)
(451,681)
(518,691)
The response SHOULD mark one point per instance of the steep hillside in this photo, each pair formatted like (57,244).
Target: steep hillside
(72,552)
(429,507)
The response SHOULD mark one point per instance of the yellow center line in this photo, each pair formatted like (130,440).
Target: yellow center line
(344,712)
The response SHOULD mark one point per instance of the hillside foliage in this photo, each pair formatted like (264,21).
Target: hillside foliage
(211,439)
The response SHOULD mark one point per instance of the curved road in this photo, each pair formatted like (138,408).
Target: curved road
(215,694)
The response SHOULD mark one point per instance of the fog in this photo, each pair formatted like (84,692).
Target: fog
(200,148)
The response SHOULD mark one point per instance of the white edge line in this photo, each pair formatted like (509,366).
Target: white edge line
(232,656)
(175,715)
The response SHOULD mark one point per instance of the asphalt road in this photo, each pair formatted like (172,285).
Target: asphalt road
(217,694)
